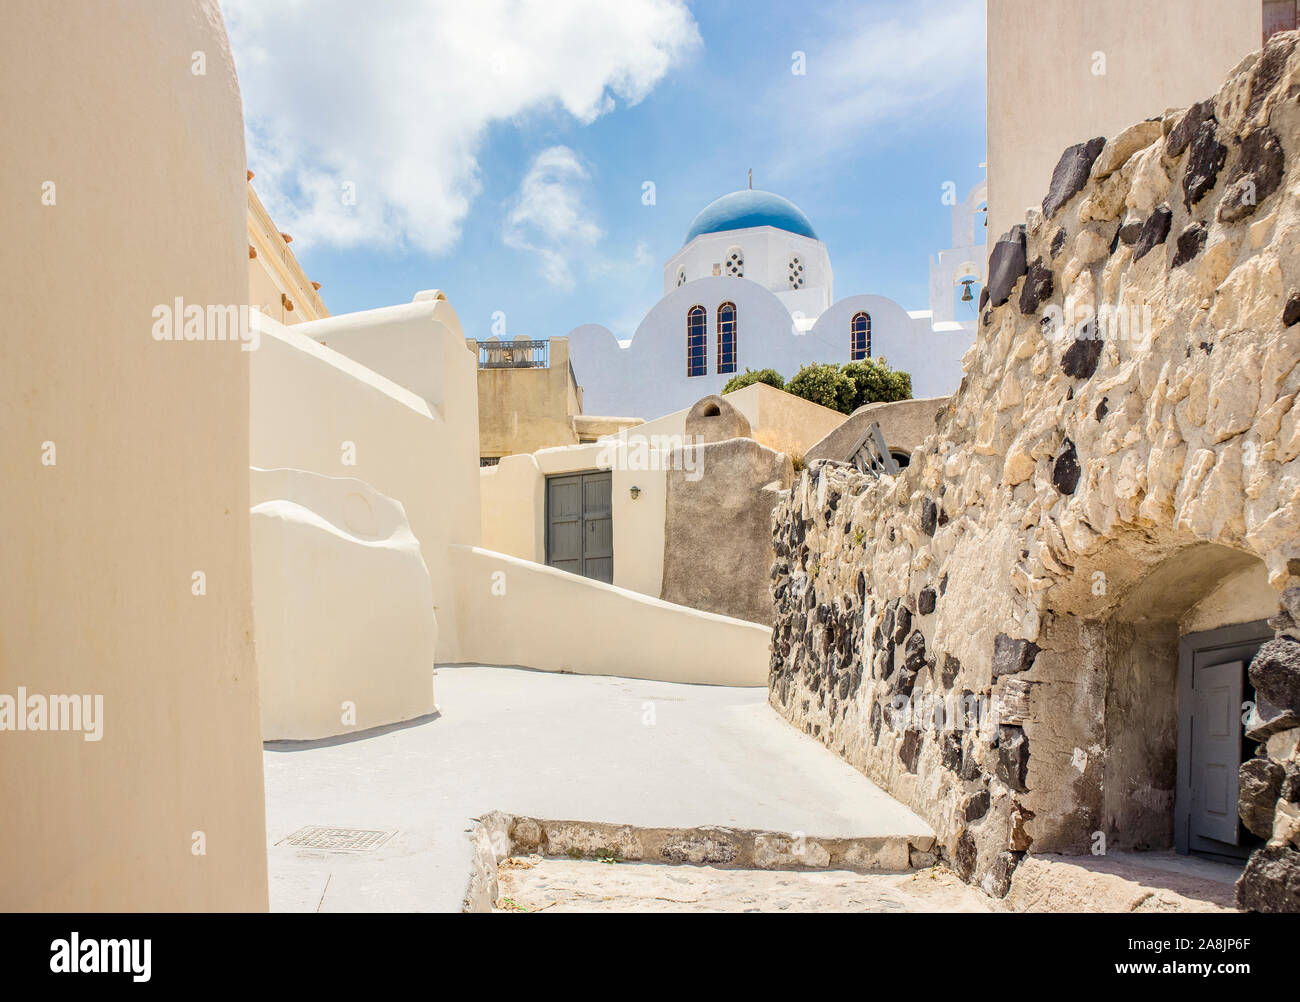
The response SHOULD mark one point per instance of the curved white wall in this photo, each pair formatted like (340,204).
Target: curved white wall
(310,403)
(648,378)
(519,613)
(346,634)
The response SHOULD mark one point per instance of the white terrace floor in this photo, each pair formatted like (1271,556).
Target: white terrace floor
(564,747)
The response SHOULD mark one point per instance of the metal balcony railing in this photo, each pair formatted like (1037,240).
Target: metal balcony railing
(514,354)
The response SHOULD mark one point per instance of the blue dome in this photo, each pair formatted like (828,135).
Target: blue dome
(748,207)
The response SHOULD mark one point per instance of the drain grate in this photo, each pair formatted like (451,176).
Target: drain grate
(337,839)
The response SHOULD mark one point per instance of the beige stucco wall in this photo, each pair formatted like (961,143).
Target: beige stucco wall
(514,491)
(777,419)
(522,410)
(276,280)
(346,636)
(1044,97)
(782,421)
(514,510)
(309,401)
(515,612)
(150,480)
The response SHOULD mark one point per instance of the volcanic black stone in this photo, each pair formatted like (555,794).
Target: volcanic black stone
(1269,70)
(1058,242)
(1037,288)
(1291,313)
(969,767)
(950,670)
(929,517)
(1155,231)
(1204,161)
(875,722)
(1129,233)
(1182,134)
(1275,673)
(1082,357)
(984,298)
(902,624)
(914,652)
(1257,174)
(1007,264)
(950,750)
(977,805)
(1190,243)
(1065,470)
(1071,174)
(1102,409)
(1271,881)
(862,587)
(943,584)
(903,682)
(1259,784)
(909,749)
(1000,873)
(1011,656)
(965,856)
(925,601)
(1013,756)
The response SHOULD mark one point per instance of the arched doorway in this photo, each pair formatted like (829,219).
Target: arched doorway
(1177,645)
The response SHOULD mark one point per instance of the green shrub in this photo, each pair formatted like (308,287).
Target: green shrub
(747,378)
(825,384)
(875,382)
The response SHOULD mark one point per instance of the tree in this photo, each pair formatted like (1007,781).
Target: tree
(875,382)
(747,378)
(825,384)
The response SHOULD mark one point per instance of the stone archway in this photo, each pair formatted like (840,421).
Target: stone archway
(1192,600)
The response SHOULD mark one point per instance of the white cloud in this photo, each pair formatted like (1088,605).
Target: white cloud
(396,97)
(884,70)
(550,216)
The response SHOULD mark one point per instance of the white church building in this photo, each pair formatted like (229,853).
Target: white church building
(752,287)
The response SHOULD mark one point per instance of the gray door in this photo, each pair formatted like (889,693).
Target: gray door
(579,524)
(1216,749)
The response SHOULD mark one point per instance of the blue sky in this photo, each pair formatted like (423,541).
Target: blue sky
(498,150)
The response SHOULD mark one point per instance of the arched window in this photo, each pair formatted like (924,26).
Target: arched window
(860,337)
(697,337)
(727,337)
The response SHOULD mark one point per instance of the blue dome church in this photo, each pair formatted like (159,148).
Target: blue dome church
(752,287)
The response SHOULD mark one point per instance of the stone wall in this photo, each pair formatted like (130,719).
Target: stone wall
(992,635)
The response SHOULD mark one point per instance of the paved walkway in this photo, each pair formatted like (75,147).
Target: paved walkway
(571,747)
(534,885)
